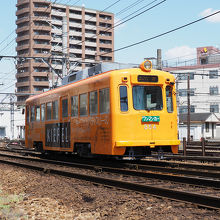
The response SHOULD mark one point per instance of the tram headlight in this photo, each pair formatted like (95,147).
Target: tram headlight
(146,66)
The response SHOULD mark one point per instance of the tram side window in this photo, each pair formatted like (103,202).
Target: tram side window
(32,113)
(83,104)
(93,103)
(123,98)
(49,110)
(37,113)
(104,104)
(65,108)
(42,112)
(55,109)
(74,105)
(169,99)
(27,114)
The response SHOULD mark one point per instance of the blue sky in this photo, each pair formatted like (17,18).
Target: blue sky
(168,15)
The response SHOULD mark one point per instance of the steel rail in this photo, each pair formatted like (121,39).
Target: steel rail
(212,202)
(166,177)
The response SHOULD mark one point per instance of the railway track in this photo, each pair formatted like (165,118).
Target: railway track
(131,179)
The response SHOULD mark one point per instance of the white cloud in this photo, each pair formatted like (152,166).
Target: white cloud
(214,18)
(181,53)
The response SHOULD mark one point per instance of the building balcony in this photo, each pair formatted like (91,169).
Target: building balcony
(40,73)
(56,31)
(20,84)
(73,50)
(22,20)
(78,42)
(40,83)
(89,18)
(25,37)
(76,16)
(42,37)
(90,44)
(75,33)
(25,74)
(39,64)
(25,28)
(21,2)
(42,9)
(23,47)
(57,13)
(42,28)
(41,46)
(22,11)
(74,24)
(90,52)
(91,27)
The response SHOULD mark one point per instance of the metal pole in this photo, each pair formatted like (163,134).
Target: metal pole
(159,59)
(184,146)
(188,104)
(203,146)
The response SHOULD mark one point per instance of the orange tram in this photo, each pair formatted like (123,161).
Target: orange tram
(125,112)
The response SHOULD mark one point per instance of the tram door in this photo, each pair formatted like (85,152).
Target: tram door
(165,127)
(64,123)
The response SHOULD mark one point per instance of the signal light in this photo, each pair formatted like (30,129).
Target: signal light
(146,66)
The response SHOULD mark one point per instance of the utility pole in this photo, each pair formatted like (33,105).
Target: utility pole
(64,47)
(188,104)
(159,59)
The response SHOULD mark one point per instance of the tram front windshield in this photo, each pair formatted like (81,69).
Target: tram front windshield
(147,98)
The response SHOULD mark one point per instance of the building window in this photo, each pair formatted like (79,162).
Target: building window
(184,76)
(83,104)
(184,109)
(214,108)
(183,92)
(123,98)
(213,90)
(213,74)
(104,105)
(74,105)
(65,108)
(207,126)
(93,103)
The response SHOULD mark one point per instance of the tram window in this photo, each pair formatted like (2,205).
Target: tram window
(147,98)
(104,101)
(27,114)
(169,98)
(37,113)
(55,109)
(93,103)
(32,113)
(123,98)
(49,110)
(83,104)
(65,108)
(42,112)
(74,105)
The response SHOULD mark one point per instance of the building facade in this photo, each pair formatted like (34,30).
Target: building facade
(204,83)
(50,32)
(12,126)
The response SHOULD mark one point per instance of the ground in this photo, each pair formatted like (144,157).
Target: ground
(26,194)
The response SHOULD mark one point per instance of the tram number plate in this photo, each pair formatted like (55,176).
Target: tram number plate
(150,118)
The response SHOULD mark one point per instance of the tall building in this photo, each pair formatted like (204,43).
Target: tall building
(204,82)
(56,31)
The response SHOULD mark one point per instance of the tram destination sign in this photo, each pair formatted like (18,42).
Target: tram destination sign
(150,118)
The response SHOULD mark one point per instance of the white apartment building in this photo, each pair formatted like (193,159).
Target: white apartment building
(204,84)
